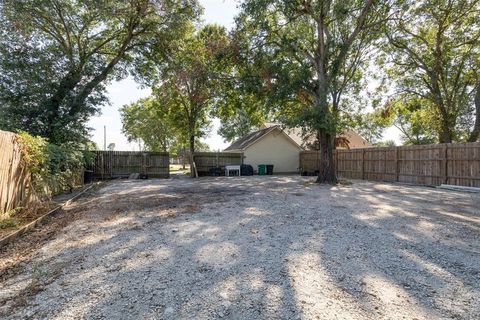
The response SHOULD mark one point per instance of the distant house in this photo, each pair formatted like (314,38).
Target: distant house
(281,147)
(345,140)
(269,145)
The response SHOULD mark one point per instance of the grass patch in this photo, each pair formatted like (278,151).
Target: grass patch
(179,168)
(47,220)
(8,223)
(14,212)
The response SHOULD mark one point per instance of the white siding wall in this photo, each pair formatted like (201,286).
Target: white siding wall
(276,149)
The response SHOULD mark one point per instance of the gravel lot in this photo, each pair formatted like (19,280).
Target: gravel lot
(251,248)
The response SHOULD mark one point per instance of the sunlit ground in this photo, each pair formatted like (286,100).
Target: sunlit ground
(257,248)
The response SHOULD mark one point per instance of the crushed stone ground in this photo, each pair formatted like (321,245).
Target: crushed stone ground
(250,248)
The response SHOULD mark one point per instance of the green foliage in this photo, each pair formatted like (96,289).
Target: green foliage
(34,152)
(148,121)
(56,57)
(385,143)
(369,125)
(154,124)
(7,223)
(88,155)
(412,116)
(88,158)
(434,56)
(239,122)
(185,90)
(62,159)
(306,57)
(14,212)
(53,168)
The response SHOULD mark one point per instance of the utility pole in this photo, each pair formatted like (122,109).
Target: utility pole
(104,138)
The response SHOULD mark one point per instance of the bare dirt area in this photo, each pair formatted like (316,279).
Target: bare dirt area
(250,248)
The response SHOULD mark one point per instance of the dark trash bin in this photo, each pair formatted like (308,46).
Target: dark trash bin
(216,172)
(269,169)
(87,176)
(246,170)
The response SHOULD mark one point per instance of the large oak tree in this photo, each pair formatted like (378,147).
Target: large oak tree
(309,54)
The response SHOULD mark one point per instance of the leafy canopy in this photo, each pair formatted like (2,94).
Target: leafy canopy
(187,85)
(149,122)
(434,58)
(56,57)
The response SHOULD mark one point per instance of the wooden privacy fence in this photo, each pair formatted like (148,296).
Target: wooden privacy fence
(457,164)
(15,181)
(206,161)
(120,164)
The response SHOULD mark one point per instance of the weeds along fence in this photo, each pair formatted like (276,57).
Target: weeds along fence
(207,161)
(456,164)
(14,178)
(120,164)
(18,186)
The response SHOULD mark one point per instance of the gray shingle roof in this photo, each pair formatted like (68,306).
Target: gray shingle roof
(250,138)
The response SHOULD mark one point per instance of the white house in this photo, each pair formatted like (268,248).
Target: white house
(274,145)
(269,145)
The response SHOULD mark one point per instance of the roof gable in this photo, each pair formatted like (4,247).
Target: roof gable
(251,138)
(351,138)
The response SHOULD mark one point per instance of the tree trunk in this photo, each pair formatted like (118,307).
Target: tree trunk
(183,158)
(326,172)
(325,137)
(53,104)
(192,150)
(475,134)
(445,134)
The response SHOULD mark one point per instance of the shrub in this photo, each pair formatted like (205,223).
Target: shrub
(53,168)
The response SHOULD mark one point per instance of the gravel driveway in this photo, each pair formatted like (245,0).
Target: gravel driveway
(254,248)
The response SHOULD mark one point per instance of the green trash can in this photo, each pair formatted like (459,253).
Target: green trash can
(262,169)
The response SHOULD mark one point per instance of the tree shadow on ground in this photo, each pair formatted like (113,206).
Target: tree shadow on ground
(248,248)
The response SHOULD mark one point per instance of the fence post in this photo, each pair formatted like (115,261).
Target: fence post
(335,161)
(385,165)
(397,171)
(363,164)
(445,164)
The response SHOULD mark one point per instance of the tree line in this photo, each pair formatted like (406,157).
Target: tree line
(322,65)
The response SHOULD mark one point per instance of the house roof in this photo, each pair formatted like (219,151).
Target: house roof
(249,139)
(354,140)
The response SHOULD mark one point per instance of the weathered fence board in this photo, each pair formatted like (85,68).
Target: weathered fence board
(205,161)
(14,178)
(457,164)
(120,164)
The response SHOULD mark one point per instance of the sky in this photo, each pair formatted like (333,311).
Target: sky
(127,91)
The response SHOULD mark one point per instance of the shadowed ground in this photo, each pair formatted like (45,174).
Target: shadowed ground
(253,248)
